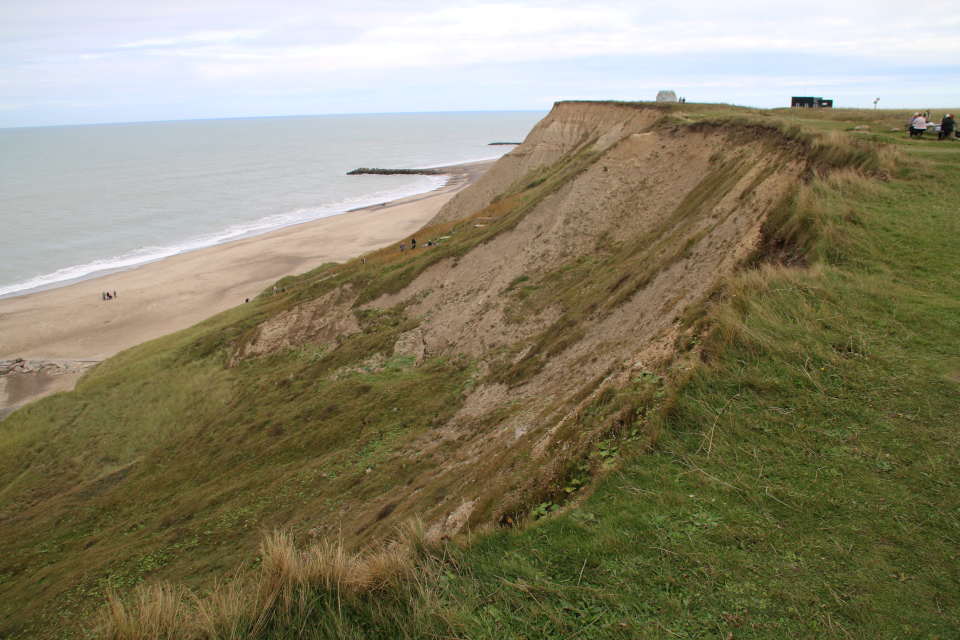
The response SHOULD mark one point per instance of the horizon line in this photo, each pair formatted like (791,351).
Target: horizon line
(295,115)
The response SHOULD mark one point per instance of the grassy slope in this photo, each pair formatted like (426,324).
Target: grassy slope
(185,503)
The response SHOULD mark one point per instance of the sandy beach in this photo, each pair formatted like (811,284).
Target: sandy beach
(73,322)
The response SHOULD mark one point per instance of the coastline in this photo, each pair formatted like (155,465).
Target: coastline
(449,172)
(72,322)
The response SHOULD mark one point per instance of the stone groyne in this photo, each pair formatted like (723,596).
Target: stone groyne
(395,172)
(50,367)
(23,381)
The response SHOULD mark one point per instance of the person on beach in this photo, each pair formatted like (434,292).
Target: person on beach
(413,243)
(274,290)
(947,126)
(402,247)
(114,294)
(104,295)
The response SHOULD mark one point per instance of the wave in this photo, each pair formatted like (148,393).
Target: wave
(143,255)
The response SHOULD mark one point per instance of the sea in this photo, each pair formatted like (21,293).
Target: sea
(82,201)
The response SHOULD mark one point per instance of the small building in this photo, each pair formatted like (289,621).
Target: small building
(666,96)
(811,103)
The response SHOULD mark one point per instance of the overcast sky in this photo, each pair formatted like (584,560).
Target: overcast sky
(87,61)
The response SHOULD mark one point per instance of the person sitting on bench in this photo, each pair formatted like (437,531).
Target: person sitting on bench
(918,126)
(947,127)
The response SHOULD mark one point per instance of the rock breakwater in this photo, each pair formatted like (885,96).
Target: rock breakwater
(395,172)
(49,367)
(23,381)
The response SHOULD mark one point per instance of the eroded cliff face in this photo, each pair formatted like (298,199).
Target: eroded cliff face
(586,291)
(568,128)
(634,218)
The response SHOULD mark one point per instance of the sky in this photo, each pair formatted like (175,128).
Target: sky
(97,61)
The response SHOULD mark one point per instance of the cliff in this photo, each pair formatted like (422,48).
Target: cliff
(463,383)
(605,230)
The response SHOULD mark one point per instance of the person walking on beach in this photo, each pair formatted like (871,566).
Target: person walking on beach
(413,243)
(402,247)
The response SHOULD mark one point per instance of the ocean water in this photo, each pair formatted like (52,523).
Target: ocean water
(77,201)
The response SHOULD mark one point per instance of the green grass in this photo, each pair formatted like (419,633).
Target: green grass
(214,455)
(163,462)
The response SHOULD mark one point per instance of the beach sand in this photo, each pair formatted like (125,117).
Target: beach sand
(74,323)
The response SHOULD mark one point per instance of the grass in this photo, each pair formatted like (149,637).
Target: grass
(277,443)
(276,596)
(794,477)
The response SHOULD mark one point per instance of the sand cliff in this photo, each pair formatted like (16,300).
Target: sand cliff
(586,289)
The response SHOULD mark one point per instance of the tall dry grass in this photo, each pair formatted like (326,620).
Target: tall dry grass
(290,587)
(815,218)
(153,612)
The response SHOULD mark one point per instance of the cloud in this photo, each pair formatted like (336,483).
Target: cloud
(516,32)
(195,38)
(204,51)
